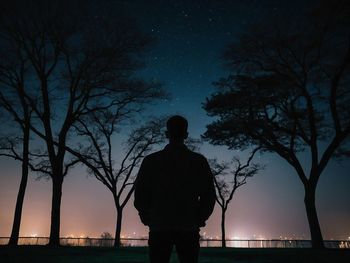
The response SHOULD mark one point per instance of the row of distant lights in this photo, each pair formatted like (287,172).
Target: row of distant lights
(255,237)
(204,234)
(69,236)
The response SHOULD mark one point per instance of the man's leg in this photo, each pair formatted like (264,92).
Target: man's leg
(160,246)
(187,246)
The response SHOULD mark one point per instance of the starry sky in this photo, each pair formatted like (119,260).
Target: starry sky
(191,36)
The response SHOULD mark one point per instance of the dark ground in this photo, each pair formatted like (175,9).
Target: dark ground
(139,254)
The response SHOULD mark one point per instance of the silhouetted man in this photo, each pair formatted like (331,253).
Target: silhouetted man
(174,195)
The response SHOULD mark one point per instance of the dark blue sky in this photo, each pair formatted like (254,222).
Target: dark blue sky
(191,36)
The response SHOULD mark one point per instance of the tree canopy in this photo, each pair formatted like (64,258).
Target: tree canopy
(287,92)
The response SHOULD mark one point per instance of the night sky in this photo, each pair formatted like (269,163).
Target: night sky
(191,36)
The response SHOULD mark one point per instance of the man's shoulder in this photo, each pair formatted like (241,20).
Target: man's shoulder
(153,156)
(196,155)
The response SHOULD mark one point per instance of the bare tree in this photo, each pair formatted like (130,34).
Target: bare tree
(107,239)
(8,148)
(228,177)
(289,93)
(106,235)
(98,156)
(13,69)
(80,63)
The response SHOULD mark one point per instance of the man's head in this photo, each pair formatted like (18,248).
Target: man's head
(176,128)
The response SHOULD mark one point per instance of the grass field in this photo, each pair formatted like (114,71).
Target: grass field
(139,254)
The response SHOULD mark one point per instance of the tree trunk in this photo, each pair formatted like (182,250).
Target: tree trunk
(56,210)
(314,225)
(22,189)
(118,228)
(223,234)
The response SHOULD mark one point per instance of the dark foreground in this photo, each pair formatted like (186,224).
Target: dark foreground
(139,254)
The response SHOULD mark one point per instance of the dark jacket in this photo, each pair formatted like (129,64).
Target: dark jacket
(174,189)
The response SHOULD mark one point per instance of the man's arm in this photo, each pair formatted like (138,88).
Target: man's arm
(142,193)
(207,193)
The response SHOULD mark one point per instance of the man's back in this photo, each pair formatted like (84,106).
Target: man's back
(174,195)
(174,189)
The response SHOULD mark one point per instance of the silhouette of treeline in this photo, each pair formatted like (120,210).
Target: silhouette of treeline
(67,80)
(288,92)
(67,76)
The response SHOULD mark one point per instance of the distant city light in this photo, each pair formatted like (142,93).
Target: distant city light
(205,235)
